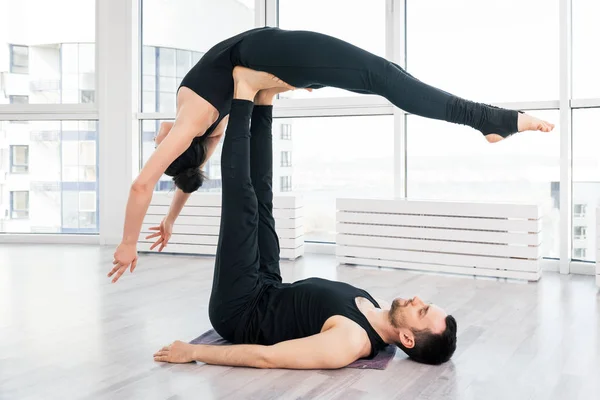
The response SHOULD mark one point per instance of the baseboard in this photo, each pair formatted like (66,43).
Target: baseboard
(46,238)
(319,248)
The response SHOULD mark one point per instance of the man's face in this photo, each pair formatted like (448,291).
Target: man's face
(414,314)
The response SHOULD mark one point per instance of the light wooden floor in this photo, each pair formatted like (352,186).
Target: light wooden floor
(67,333)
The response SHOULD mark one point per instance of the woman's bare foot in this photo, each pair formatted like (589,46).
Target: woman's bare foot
(265,97)
(248,82)
(525,122)
(177,352)
(528,123)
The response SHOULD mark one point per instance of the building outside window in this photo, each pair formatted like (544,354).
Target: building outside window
(286,159)
(579,254)
(19,159)
(19,59)
(579,210)
(19,204)
(286,132)
(18,99)
(580,232)
(286,183)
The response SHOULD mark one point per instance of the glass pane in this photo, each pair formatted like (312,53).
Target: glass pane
(453,162)
(183,25)
(184,63)
(486,50)
(334,157)
(586,52)
(42,41)
(359,22)
(166,62)
(58,159)
(586,182)
(166,102)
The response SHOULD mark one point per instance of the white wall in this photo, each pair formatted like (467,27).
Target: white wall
(201,23)
(36,22)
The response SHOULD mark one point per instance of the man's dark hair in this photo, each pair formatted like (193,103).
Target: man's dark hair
(434,349)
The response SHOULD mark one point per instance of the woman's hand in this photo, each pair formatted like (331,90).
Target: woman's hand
(125,255)
(165,230)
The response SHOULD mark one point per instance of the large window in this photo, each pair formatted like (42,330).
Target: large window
(586,180)
(176,34)
(52,183)
(453,162)
(337,157)
(359,22)
(49,49)
(486,50)
(586,52)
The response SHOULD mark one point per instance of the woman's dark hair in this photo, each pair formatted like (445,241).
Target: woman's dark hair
(433,348)
(185,170)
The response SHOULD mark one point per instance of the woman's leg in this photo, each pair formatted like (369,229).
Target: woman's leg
(309,59)
(236,282)
(261,171)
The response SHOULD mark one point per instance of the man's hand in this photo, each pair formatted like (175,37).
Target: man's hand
(125,255)
(165,230)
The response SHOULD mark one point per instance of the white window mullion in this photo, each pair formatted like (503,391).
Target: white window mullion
(260,13)
(585,103)
(566,141)
(117,52)
(396,52)
(271,13)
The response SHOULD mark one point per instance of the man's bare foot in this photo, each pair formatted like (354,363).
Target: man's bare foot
(177,352)
(248,82)
(525,122)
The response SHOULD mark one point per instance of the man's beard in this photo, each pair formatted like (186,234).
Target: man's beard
(396,314)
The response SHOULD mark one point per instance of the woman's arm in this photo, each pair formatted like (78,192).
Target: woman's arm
(142,188)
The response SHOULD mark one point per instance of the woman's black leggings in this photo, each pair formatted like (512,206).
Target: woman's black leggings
(313,60)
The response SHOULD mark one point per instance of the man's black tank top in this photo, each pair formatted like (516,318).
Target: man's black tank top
(291,311)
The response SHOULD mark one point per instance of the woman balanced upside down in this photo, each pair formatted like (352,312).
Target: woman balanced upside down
(272,58)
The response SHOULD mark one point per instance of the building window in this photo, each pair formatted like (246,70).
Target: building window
(286,159)
(87,96)
(580,210)
(286,183)
(580,232)
(19,204)
(19,59)
(19,159)
(18,99)
(286,132)
(579,254)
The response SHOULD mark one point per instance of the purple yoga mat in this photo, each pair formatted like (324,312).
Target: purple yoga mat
(380,361)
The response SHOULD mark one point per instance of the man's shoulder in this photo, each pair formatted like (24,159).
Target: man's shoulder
(354,335)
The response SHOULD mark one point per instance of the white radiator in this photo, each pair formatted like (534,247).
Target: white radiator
(196,230)
(495,240)
(598,246)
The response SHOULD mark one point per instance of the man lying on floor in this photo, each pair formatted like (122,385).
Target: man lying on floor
(310,324)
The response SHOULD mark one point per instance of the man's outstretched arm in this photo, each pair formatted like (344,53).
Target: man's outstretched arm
(332,349)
